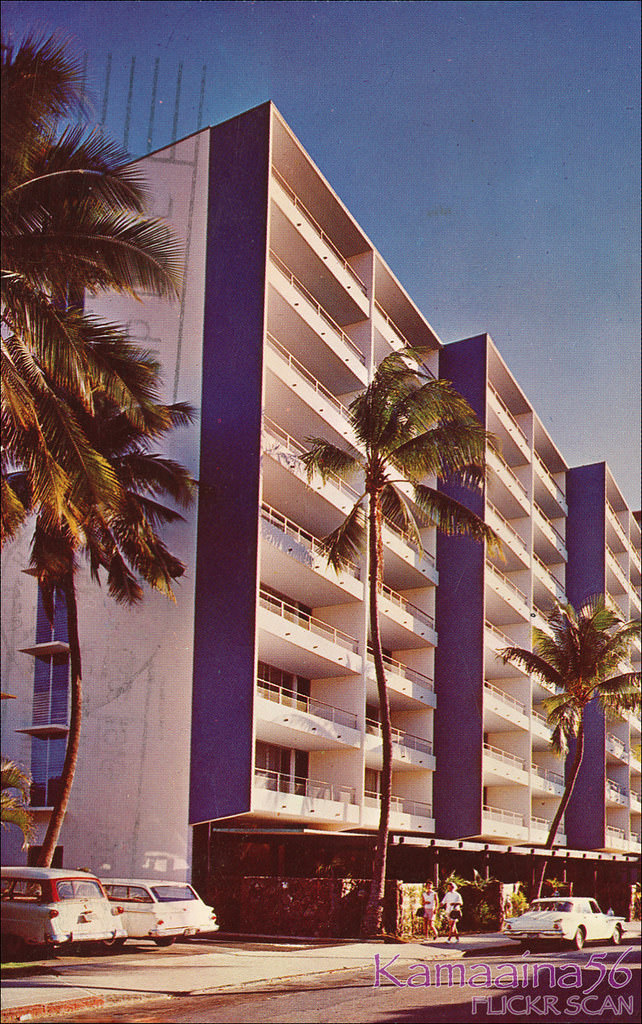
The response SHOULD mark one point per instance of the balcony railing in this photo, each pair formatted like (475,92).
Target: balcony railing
(307,540)
(277,782)
(557,582)
(309,378)
(616,746)
(617,524)
(617,568)
(498,464)
(400,737)
(542,719)
(290,699)
(617,792)
(406,606)
(305,621)
(546,773)
(506,698)
(407,538)
(399,804)
(392,325)
(317,228)
(498,635)
(616,835)
(548,476)
(502,755)
(399,669)
(282,438)
(318,308)
(540,512)
(512,421)
(515,537)
(500,579)
(506,817)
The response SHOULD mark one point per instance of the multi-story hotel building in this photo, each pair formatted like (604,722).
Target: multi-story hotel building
(251,703)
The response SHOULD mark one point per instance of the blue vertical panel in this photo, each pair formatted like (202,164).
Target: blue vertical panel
(459,658)
(586,576)
(227,540)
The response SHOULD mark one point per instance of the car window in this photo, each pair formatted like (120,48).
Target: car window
(168,893)
(116,892)
(26,891)
(594,907)
(137,894)
(78,889)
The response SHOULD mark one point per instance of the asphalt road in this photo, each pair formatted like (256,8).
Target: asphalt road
(599,984)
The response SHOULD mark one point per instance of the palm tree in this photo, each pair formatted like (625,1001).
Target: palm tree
(406,426)
(14,798)
(72,223)
(122,542)
(582,657)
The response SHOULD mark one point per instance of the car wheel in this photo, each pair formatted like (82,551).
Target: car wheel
(616,937)
(113,945)
(167,940)
(580,938)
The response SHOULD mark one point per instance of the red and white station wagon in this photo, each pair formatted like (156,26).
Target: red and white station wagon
(54,907)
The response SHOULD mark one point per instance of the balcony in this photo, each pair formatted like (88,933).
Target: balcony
(303,643)
(501,709)
(310,577)
(616,747)
(552,536)
(407,686)
(540,730)
(509,594)
(404,562)
(553,586)
(540,828)
(290,719)
(617,571)
(49,649)
(508,535)
(296,389)
(614,521)
(285,480)
(404,624)
(407,749)
(616,839)
(498,823)
(509,423)
(636,805)
(552,498)
(547,781)
(502,768)
(616,794)
(405,814)
(316,317)
(302,799)
(511,497)
(317,239)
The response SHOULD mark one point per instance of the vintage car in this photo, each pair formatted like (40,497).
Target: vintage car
(53,907)
(566,918)
(160,910)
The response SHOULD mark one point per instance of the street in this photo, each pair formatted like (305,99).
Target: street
(602,983)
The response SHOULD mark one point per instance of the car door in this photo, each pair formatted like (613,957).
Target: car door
(601,924)
(141,912)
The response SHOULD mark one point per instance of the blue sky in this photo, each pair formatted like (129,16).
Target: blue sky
(489,150)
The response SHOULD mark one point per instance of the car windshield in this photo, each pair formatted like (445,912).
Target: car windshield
(168,893)
(561,907)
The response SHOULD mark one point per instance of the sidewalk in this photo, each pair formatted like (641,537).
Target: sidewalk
(50,988)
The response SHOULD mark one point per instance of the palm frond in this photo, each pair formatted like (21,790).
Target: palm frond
(454,518)
(328,460)
(344,545)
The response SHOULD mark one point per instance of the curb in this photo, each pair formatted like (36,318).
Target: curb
(42,1011)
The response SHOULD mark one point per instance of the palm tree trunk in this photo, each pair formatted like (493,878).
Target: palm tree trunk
(373,918)
(73,738)
(570,783)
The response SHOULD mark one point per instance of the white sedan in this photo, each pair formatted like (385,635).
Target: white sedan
(569,919)
(159,910)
